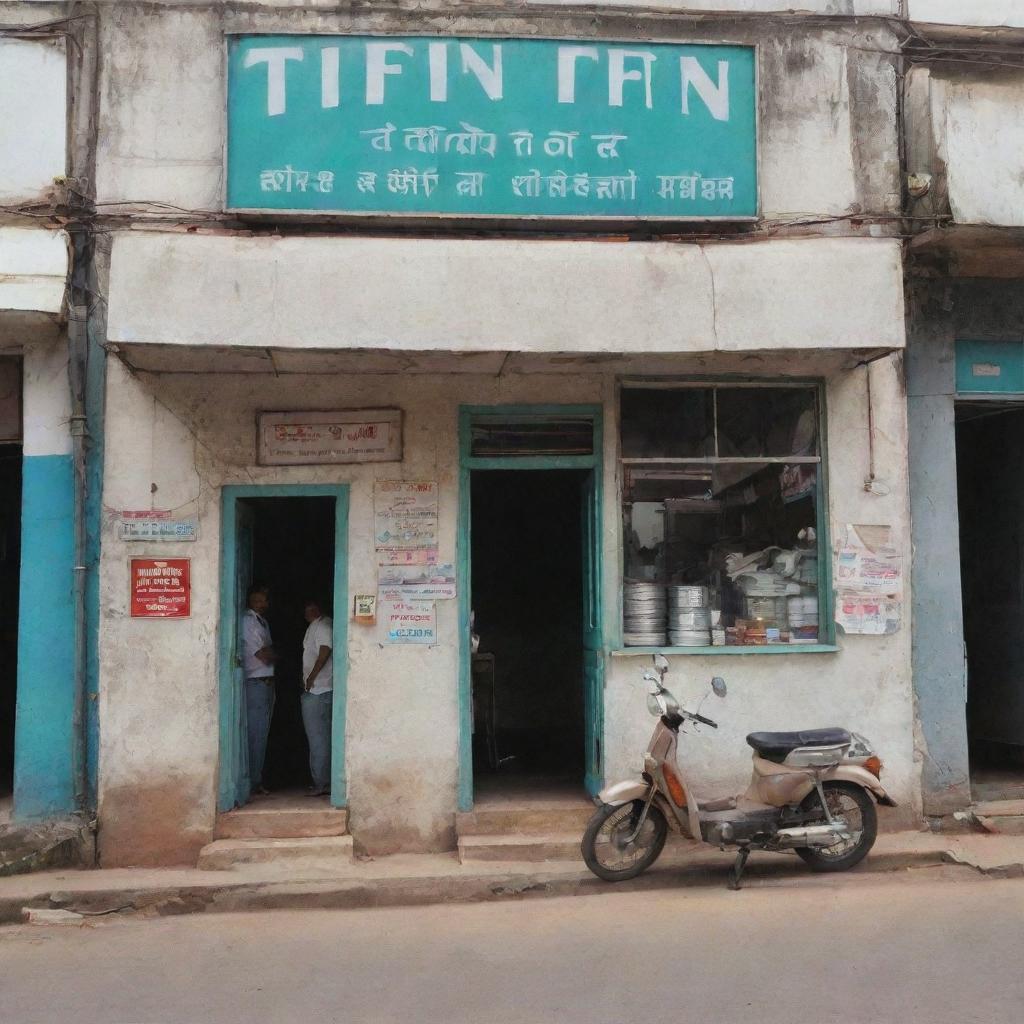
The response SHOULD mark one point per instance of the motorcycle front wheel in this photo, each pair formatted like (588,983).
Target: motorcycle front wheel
(606,848)
(853,804)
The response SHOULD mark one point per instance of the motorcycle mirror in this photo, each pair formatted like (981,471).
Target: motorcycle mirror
(718,686)
(661,663)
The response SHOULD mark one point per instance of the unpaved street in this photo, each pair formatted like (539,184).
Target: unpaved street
(856,951)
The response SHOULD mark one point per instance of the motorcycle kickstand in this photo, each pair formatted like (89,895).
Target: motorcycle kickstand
(736,871)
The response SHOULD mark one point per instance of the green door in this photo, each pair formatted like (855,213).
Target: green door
(593,653)
(234,775)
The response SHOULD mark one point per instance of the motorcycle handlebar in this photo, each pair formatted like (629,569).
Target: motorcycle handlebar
(703,720)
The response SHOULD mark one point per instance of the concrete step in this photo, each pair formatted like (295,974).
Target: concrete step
(325,851)
(268,822)
(560,846)
(524,820)
(999,808)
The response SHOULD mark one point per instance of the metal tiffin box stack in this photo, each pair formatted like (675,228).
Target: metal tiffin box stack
(689,616)
(643,614)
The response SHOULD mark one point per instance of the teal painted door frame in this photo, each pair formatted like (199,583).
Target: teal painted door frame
(592,639)
(227,782)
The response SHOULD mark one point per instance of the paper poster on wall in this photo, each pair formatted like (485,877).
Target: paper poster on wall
(334,437)
(409,622)
(868,562)
(867,614)
(416,582)
(869,582)
(160,588)
(405,522)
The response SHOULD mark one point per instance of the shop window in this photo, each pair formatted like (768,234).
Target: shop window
(721,491)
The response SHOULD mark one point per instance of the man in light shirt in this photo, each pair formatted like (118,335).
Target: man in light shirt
(318,694)
(258,665)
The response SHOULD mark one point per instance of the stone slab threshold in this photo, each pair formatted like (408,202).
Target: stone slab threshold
(420,879)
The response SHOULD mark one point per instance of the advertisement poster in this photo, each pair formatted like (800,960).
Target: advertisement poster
(409,622)
(869,582)
(160,588)
(405,522)
(416,582)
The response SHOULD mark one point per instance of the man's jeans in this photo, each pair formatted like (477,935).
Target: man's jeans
(316,717)
(259,708)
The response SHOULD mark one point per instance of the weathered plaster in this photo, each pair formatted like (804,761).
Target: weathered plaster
(159,679)
(163,131)
(33,113)
(498,295)
(33,268)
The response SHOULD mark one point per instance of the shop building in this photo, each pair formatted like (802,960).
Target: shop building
(964,386)
(554,406)
(43,770)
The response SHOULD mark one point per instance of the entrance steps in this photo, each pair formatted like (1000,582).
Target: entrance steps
(224,854)
(524,829)
(1000,817)
(280,829)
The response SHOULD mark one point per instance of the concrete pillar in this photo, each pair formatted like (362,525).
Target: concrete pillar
(44,776)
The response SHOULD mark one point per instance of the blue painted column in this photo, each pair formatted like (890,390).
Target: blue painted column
(44,770)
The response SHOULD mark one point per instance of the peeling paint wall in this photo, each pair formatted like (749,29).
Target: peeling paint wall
(828,111)
(942,311)
(191,434)
(967,131)
(208,301)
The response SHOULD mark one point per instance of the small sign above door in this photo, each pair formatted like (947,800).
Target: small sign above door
(332,437)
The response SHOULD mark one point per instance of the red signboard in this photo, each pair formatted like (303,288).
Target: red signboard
(161,588)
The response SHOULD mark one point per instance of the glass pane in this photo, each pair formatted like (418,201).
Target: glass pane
(666,424)
(551,436)
(720,555)
(767,421)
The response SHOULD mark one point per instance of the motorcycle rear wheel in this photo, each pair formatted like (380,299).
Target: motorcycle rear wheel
(849,801)
(604,846)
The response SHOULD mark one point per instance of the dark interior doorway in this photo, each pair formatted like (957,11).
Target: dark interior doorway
(293,555)
(990,485)
(527,600)
(10,578)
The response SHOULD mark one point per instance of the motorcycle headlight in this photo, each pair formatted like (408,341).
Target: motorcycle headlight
(652,704)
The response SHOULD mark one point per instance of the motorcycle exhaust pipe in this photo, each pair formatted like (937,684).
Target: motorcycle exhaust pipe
(811,835)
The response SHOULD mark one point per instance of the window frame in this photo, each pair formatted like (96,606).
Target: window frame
(826,597)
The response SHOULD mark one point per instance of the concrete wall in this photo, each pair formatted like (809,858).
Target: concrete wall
(943,311)
(828,107)
(189,434)
(352,293)
(972,13)
(33,117)
(967,131)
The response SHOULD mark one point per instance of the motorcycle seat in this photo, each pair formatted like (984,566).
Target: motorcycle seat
(772,745)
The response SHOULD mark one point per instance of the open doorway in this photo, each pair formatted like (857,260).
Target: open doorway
(291,540)
(10,575)
(528,601)
(990,484)
(293,556)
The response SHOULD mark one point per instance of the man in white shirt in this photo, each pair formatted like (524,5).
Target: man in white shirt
(258,666)
(318,694)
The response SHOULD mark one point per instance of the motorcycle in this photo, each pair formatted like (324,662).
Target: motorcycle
(813,792)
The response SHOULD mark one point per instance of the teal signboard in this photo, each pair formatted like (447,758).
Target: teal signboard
(491,127)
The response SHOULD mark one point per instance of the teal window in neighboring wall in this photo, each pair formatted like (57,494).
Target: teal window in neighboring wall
(990,367)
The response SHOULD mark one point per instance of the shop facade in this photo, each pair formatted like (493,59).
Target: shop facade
(580,408)
(966,325)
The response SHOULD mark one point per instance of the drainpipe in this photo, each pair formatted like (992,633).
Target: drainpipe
(83,101)
(78,355)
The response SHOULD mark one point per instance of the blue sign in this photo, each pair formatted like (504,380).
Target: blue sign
(491,127)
